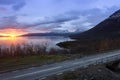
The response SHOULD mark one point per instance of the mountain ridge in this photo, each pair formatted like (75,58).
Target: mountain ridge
(108,28)
(48,34)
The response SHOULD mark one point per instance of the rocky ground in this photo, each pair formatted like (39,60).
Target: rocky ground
(98,72)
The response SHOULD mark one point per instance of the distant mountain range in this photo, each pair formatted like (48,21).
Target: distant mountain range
(109,28)
(49,34)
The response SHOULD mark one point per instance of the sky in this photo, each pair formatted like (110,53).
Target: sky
(40,16)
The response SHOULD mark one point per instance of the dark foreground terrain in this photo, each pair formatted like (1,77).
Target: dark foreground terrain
(99,72)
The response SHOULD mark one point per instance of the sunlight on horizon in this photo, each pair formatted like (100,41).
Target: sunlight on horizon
(11,36)
(11,32)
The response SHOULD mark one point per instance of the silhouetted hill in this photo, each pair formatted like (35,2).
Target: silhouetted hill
(109,28)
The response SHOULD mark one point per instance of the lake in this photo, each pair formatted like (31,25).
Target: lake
(49,41)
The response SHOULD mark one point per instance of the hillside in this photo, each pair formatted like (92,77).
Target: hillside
(109,28)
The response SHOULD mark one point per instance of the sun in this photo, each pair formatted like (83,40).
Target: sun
(12,35)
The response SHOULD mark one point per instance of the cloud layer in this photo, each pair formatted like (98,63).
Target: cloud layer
(16,4)
(54,15)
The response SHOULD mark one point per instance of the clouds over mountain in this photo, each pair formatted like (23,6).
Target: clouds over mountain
(46,24)
(70,21)
(54,15)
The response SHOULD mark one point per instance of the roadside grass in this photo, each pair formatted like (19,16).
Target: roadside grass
(28,55)
(13,63)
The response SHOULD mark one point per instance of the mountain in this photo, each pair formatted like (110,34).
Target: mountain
(109,28)
(48,34)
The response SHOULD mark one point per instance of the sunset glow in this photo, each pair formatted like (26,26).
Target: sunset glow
(11,32)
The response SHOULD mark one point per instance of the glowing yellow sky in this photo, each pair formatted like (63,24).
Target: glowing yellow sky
(11,32)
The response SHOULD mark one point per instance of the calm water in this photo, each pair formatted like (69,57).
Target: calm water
(48,41)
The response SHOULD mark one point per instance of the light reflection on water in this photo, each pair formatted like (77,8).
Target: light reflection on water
(48,41)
